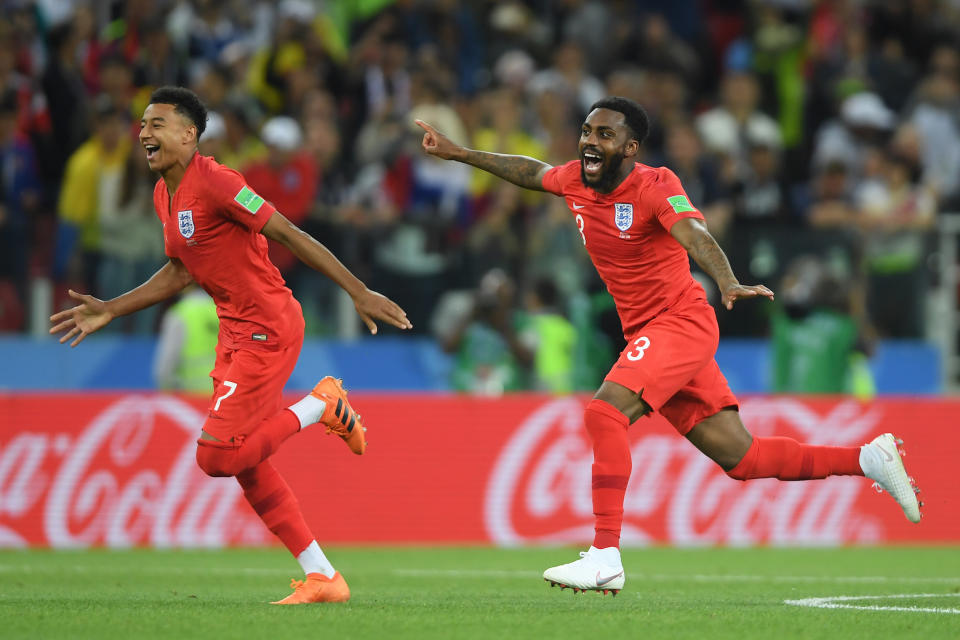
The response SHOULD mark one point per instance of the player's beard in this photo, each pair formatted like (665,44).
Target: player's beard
(608,174)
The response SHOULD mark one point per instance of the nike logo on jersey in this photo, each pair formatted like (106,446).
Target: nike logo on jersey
(603,581)
(577,207)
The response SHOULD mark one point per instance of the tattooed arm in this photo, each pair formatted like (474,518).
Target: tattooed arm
(693,235)
(520,170)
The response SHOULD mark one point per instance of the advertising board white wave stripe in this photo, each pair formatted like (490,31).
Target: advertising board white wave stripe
(110,487)
(544,470)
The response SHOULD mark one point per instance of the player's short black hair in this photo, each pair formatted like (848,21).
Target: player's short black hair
(185,102)
(633,114)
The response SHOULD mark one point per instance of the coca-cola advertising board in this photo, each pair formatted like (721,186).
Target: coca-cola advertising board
(79,470)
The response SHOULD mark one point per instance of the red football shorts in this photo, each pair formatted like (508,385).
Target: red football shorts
(670,362)
(248,387)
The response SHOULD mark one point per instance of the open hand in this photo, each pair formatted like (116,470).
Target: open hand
(437,144)
(735,292)
(372,305)
(89,316)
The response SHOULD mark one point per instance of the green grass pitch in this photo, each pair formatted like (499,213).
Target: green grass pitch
(447,592)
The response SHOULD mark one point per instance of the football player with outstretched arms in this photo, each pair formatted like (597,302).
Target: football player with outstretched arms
(639,227)
(215,230)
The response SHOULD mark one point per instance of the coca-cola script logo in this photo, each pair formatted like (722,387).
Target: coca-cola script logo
(128,477)
(540,487)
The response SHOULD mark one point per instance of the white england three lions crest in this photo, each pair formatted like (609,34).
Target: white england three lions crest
(623,215)
(185,218)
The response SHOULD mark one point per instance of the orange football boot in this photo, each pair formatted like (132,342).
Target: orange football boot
(338,416)
(317,588)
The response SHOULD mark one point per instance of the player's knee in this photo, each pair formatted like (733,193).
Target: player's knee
(216,462)
(600,417)
(607,428)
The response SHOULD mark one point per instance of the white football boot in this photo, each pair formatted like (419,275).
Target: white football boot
(597,570)
(880,461)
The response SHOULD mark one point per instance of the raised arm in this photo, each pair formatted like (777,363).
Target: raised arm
(370,305)
(520,170)
(693,235)
(92,314)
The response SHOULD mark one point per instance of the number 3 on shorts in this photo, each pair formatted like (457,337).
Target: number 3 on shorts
(640,345)
(233,387)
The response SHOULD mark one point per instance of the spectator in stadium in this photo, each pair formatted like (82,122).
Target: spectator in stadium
(552,336)
(65,95)
(570,76)
(287,178)
(131,241)
(186,349)
(115,75)
(934,113)
(501,130)
(219,242)
(241,146)
(157,63)
(761,196)
(698,173)
(865,122)
(820,345)
(97,164)
(214,138)
(893,213)
(671,330)
(831,197)
(20,196)
(723,129)
(485,332)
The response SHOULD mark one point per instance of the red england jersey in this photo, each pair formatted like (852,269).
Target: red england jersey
(213,226)
(627,234)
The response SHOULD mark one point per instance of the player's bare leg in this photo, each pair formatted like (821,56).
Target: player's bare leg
(724,439)
(607,417)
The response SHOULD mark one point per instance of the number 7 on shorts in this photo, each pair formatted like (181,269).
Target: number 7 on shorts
(232,386)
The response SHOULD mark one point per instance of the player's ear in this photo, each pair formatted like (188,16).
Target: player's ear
(190,134)
(631,148)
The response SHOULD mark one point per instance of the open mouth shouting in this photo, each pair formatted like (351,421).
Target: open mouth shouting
(592,163)
(153,150)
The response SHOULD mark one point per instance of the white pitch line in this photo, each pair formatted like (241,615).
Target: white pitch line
(519,574)
(833,602)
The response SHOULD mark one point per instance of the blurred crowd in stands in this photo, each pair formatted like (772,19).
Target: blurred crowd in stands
(828,129)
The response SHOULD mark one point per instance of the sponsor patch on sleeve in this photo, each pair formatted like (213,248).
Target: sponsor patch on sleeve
(680,204)
(249,200)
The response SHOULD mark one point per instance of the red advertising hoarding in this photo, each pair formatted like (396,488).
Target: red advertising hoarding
(117,470)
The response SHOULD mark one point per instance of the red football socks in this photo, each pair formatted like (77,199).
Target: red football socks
(231,458)
(611,469)
(274,502)
(787,459)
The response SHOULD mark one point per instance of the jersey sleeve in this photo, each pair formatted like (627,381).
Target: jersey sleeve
(557,179)
(234,199)
(669,201)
